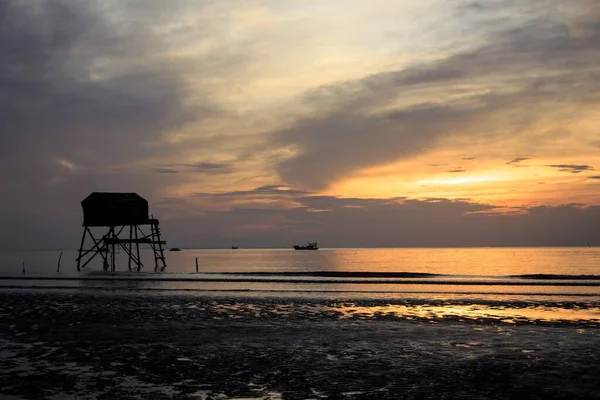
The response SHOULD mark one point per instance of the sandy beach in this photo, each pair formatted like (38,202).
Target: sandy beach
(108,346)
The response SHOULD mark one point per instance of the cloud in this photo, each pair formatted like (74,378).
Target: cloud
(572,168)
(270,190)
(389,116)
(199,167)
(78,85)
(594,177)
(457,170)
(517,160)
(347,222)
(355,222)
(88,100)
(207,165)
(209,168)
(468,158)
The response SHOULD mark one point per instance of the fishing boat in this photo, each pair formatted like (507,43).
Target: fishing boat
(310,246)
(234,247)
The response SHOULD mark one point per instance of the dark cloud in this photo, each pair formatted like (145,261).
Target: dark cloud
(347,222)
(353,222)
(270,190)
(352,126)
(165,171)
(594,177)
(199,167)
(74,86)
(469,158)
(517,160)
(207,165)
(572,168)
(84,94)
(209,168)
(339,143)
(79,89)
(456,170)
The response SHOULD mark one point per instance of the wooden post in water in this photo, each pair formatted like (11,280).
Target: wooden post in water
(196,264)
(58,266)
(23,270)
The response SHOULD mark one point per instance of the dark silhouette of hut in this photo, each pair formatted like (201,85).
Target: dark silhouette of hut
(115,212)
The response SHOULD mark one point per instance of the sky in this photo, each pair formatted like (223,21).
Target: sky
(270,123)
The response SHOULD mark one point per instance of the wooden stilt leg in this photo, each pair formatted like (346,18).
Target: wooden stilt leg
(130,238)
(81,248)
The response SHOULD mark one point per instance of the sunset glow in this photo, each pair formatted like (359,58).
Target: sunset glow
(459,181)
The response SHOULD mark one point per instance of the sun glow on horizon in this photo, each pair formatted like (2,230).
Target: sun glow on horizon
(458,181)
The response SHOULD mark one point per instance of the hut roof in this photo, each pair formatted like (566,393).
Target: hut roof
(108,197)
(112,209)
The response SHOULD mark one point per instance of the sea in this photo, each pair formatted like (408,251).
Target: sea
(507,273)
(506,283)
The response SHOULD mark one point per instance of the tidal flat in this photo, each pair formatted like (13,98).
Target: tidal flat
(56,345)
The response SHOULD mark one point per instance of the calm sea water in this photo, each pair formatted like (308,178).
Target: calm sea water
(558,274)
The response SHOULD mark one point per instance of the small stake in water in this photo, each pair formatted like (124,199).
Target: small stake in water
(196,264)
(23,271)
(58,267)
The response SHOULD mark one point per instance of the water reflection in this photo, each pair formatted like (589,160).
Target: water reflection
(476,312)
(488,262)
(459,311)
(479,273)
(460,261)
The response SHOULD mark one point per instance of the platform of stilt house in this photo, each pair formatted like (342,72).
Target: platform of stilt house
(112,241)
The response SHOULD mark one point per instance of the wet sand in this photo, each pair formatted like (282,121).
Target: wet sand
(115,346)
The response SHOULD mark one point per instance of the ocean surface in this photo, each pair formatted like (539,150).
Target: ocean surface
(557,274)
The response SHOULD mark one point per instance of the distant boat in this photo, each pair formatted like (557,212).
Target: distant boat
(175,249)
(234,247)
(310,246)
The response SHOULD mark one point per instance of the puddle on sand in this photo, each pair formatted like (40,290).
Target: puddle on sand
(209,394)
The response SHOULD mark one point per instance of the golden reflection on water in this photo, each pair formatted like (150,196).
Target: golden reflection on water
(588,314)
(472,312)
(461,261)
(447,261)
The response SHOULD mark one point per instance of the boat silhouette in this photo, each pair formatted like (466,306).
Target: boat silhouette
(310,246)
